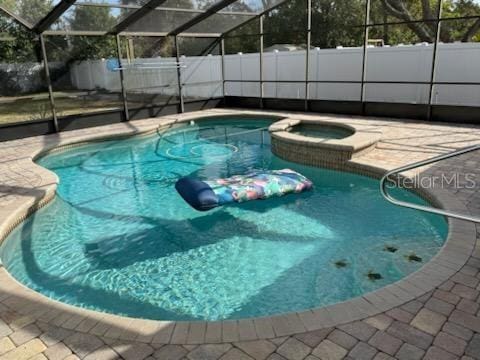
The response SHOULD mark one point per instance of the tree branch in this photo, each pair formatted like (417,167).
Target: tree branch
(397,9)
(394,11)
(471,31)
(427,10)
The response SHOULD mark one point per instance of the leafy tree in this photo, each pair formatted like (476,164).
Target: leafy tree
(34,10)
(411,10)
(92,47)
(462,30)
(150,47)
(8,4)
(30,10)
(245,44)
(336,22)
(293,13)
(333,23)
(17,44)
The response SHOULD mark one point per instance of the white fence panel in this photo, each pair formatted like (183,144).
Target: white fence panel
(458,63)
(83,76)
(399,63)
(343,64)
(202,75)
(242,67)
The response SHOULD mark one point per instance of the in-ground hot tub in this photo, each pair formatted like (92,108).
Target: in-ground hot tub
(321,131)
(320,143)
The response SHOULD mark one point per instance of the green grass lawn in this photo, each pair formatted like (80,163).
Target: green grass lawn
(37,106)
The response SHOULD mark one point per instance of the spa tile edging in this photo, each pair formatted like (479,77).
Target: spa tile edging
(453,255)
(319,152)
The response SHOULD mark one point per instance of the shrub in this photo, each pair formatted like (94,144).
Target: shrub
(8,84)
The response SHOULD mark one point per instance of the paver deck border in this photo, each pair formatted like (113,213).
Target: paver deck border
(453,255)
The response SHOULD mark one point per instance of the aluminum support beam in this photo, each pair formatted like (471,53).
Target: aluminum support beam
(136,16)
(365,54)
(53,16)
(179,75)
(434,59)
(307,53)
(122,78)
(199,18)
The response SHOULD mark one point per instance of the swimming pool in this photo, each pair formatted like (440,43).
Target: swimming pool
(119,239)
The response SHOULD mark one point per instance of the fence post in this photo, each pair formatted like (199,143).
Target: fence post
(317,66)
(240,55)
(276,73)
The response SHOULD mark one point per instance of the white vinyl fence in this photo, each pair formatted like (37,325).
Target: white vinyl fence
(459,62)
(200,76)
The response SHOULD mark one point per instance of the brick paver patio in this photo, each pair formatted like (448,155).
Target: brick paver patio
(441,324)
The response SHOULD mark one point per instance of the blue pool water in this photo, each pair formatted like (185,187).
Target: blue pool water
(322,131)
(119,239)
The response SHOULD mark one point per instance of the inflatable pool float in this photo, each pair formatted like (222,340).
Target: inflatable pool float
(256,185)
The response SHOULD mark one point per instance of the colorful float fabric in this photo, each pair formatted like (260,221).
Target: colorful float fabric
(262,184)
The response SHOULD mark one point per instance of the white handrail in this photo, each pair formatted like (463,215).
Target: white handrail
(388,197)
